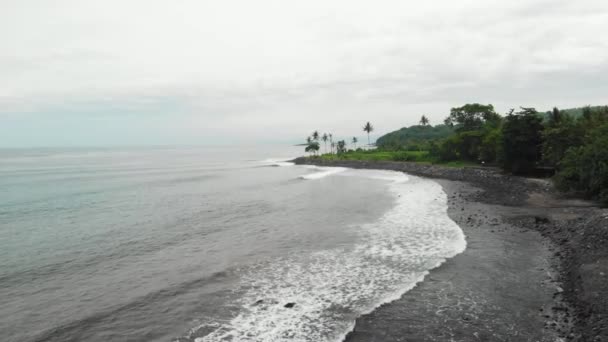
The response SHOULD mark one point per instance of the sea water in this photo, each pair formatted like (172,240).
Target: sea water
(207,244)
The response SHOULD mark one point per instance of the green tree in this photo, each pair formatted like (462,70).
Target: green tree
(555,117)
(368,128)
(325,137)
(424,121)
(341,147)
(355,140)
(315,135)
(522,141)
(491,150)
(312,147)
(585,168)
(471,116)
(559,136)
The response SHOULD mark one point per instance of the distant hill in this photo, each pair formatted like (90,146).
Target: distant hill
(574,112)
(413,135)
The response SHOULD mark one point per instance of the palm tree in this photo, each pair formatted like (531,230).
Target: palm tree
(424,121)
(341,147)
(331,142)
(308,140)
(368,128)
(333,145)
(324,138)
(315,135)
(355,142)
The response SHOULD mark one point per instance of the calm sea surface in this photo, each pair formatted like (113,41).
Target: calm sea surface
(206,244)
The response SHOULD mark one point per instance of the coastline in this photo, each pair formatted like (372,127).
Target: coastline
(536,267)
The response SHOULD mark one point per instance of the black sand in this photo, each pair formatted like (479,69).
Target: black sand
(535,268)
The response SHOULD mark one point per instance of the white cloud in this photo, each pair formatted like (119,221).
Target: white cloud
(235,66)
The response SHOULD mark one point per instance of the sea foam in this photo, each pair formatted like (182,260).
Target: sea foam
(324,172)
(281,162)
(331,288)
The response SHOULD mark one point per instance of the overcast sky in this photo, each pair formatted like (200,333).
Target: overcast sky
(138,72)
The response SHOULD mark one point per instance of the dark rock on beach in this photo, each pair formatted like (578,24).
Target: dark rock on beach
(535,268)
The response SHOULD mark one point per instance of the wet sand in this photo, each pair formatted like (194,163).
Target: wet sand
(504,287)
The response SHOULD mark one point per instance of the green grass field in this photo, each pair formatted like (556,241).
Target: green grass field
(402,156)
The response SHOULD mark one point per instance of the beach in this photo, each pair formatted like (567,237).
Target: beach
(534,269)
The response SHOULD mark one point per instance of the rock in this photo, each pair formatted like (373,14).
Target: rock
(289,305)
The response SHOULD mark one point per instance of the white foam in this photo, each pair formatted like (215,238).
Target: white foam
(325,171)
(281,162)
(331,288)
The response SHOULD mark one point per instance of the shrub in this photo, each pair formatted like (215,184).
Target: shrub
(585,168)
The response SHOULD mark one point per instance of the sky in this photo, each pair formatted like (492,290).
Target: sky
(200,72)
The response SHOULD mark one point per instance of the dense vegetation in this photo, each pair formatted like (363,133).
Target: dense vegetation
(572,144)
(415,138)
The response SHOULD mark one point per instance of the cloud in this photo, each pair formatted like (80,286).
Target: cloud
(241,67)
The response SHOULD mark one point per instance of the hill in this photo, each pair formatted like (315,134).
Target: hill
(414,135)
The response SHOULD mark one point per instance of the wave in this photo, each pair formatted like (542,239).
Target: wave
(317,297)
(280,162)
(78,330)
(326,171)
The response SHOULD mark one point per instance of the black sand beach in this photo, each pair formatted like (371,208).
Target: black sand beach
(535,268)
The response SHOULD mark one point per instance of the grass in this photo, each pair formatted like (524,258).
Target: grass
(402,156)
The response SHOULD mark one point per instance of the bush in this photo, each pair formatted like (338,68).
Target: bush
(491,146)
(585,168)
(403,156)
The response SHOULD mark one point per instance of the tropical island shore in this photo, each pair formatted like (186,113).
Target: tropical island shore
(535,269)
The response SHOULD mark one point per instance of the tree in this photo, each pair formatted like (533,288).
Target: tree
(424,121)
(324,138)
(308,140)
(315,135)
(471,116)
(355,140)
(331,142)
(522,141)
(341,147)
(585,168)
(368,128)
(559,136)
(333,146)
(555,117)
(313,147)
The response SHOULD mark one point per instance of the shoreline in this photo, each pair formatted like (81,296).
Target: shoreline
(536,267)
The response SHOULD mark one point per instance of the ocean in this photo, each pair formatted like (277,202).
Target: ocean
(207,244)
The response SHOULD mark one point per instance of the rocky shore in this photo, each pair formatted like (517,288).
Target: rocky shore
(536,268)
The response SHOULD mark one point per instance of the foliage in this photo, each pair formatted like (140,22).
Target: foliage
(574,113)
(561,133)
(573,142)
(491,149)
(341,147)
(585,168)
(472,116)
(368,128)
(399,156)
(522,141)
(312,147)
(424,121)
(414,137)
